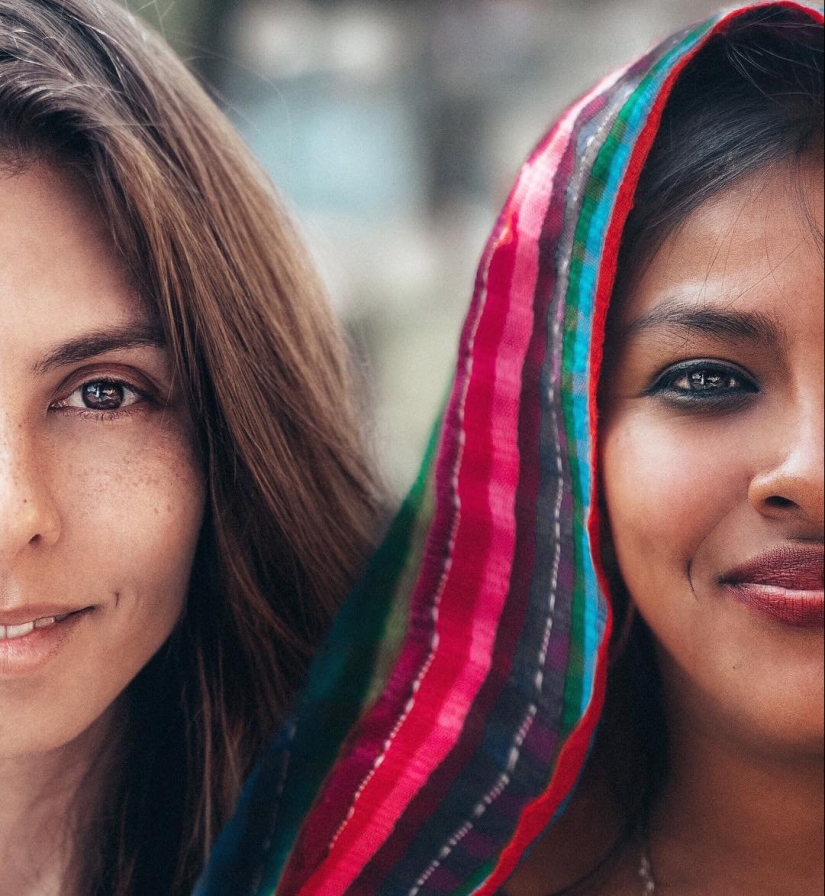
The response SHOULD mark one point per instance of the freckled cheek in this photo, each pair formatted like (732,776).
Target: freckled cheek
(131,506)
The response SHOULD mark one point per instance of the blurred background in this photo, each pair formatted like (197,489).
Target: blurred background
(395,128)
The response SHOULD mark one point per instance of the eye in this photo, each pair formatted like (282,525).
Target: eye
(697,381)
(102,396)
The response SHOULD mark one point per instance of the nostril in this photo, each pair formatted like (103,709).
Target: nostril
(779,503)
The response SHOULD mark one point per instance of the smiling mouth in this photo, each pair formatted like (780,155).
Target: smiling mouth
(784,584)
(14,632)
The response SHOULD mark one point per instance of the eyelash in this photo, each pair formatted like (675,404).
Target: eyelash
(141,397)
(738,387)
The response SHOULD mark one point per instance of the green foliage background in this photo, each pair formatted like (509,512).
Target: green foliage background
(197,29)
(173,18)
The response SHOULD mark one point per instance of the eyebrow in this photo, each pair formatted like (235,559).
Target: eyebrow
(750,326)
(90,345)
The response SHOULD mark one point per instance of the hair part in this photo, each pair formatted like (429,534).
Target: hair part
(751,101)
(293,502)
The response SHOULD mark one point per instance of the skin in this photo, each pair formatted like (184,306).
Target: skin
(694,488)
(724,482)
(100,507)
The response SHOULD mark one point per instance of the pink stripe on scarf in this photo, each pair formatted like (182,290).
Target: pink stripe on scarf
(460,663)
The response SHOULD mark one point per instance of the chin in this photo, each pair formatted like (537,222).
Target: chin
(56,735)
(793,731)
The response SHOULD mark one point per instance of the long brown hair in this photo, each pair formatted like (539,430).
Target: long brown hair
(293,501)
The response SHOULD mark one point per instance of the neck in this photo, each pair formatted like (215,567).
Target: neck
(734,818)
(41,794)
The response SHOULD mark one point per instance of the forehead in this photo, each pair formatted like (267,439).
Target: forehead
(42,195)
(756,246)
(59,271)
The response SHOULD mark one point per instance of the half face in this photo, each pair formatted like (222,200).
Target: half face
(101,495)
(712,458)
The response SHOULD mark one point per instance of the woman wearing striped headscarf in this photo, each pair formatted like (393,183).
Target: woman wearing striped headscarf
(589,656)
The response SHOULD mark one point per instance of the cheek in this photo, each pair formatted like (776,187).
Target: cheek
(131,507)
(668,485)
(131,513)
(676,496)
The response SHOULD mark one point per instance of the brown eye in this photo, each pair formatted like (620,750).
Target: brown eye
(711,381)
(103,396)
(699,381)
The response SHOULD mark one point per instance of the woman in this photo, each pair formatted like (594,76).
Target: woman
(621,517)
(184,496)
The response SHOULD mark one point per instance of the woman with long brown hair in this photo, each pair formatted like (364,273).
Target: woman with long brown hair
(185,497)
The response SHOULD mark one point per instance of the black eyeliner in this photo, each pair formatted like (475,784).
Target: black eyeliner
(663,385)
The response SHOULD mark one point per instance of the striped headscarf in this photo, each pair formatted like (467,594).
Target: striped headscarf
(448,718)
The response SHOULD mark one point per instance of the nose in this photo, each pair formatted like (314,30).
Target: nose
(28,514)
(790,484)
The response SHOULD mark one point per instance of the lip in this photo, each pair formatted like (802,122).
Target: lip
(29,654)
(785,584)
(30,612)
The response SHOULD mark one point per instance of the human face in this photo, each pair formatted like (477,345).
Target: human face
(101,495)
(712,461)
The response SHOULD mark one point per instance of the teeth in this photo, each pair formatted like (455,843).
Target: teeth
(10,632)
(46,621)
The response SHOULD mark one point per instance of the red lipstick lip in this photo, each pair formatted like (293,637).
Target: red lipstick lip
(785,584)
